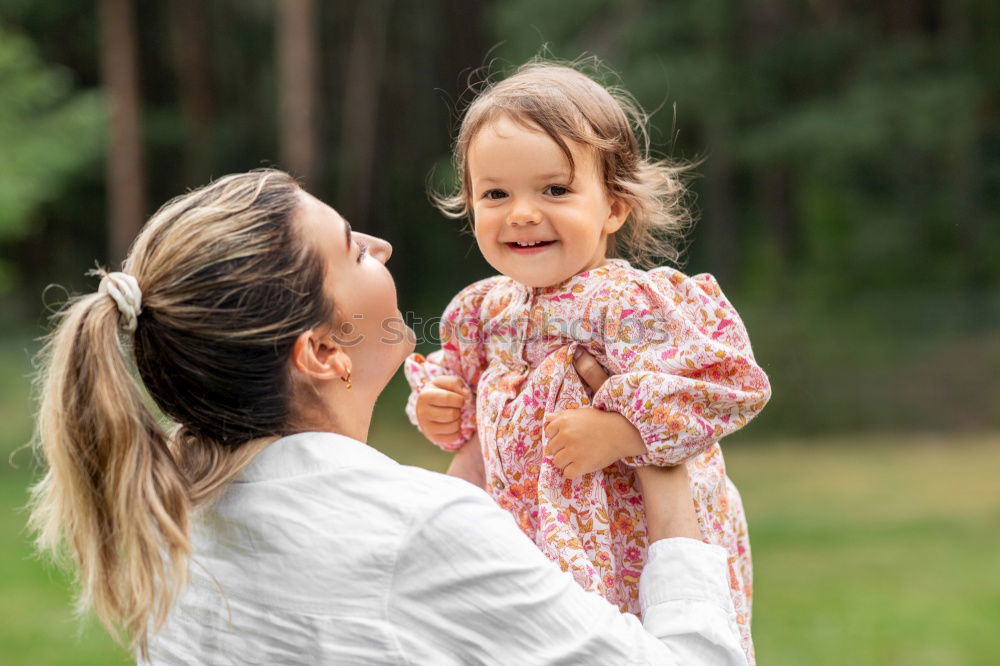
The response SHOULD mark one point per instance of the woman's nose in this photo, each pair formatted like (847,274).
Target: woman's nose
(378,248)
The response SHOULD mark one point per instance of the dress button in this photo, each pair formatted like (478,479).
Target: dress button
(498,484)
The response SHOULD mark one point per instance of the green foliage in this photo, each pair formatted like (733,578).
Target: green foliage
(48,131)
(873,121)
(848,195)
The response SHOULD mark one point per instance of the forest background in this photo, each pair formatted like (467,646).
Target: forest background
(848,196)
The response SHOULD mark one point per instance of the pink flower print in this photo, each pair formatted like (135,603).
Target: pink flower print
(723,325)
(623,524)
(659,415)
(677,422)
(648,326)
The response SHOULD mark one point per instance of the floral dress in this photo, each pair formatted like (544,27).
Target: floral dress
(682,371)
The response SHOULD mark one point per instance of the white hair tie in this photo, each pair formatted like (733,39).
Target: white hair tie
(124,289)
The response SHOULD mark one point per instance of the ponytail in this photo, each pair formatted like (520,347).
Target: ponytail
(113,498)
(227,285)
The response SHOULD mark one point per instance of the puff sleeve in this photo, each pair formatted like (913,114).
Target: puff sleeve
(462,354)
(683,371)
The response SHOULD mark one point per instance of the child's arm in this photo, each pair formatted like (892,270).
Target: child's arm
(584,440)
(442,397)
(683,372)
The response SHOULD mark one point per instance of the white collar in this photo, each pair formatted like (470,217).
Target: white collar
(307,453)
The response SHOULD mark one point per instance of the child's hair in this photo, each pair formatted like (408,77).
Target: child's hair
(568,105)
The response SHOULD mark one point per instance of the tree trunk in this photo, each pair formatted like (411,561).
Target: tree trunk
(120,75)
(773,190)
(298,85)
(192,66)
(719,225)
(464,43)
(362,92)
(962,158)
(769,23)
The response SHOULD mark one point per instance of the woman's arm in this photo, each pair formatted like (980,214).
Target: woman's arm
(470,588)
(666,491)
(467,463)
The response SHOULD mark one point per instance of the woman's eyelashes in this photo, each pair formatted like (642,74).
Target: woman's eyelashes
(362,250)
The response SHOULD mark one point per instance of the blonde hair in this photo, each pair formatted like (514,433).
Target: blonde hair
(568,105)
(227,285)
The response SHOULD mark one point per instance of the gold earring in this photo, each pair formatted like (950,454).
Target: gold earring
(347,380)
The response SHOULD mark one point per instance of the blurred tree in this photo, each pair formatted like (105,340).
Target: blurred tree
(48,131)
(362,96)
(298,68)
(851,153)
(843,146)
(192,59)
(125,169)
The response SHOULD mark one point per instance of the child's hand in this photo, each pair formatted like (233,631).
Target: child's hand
(439,409)
(586,440)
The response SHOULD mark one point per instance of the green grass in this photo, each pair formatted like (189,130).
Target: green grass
(874,549)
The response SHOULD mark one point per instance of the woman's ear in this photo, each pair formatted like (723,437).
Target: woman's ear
(618,213)
(320,356)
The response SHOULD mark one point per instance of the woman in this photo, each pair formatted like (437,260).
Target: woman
(260,528)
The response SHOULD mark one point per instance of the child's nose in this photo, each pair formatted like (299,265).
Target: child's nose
(523,214)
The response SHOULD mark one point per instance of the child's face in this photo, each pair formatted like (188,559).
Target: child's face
(522,194)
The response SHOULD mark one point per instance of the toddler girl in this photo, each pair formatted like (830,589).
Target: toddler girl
(553,177)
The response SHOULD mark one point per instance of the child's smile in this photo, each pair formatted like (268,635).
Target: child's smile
(535,221)
(530,247)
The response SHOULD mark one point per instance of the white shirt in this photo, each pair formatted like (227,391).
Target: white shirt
(329,552)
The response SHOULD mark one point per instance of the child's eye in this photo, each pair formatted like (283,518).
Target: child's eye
(494,194)
(362,251)
(556,190)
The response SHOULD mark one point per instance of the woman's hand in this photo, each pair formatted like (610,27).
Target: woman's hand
(666,491)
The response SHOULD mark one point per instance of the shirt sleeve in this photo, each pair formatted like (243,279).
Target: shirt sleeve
(462,355)
(683,371)
(470,585)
